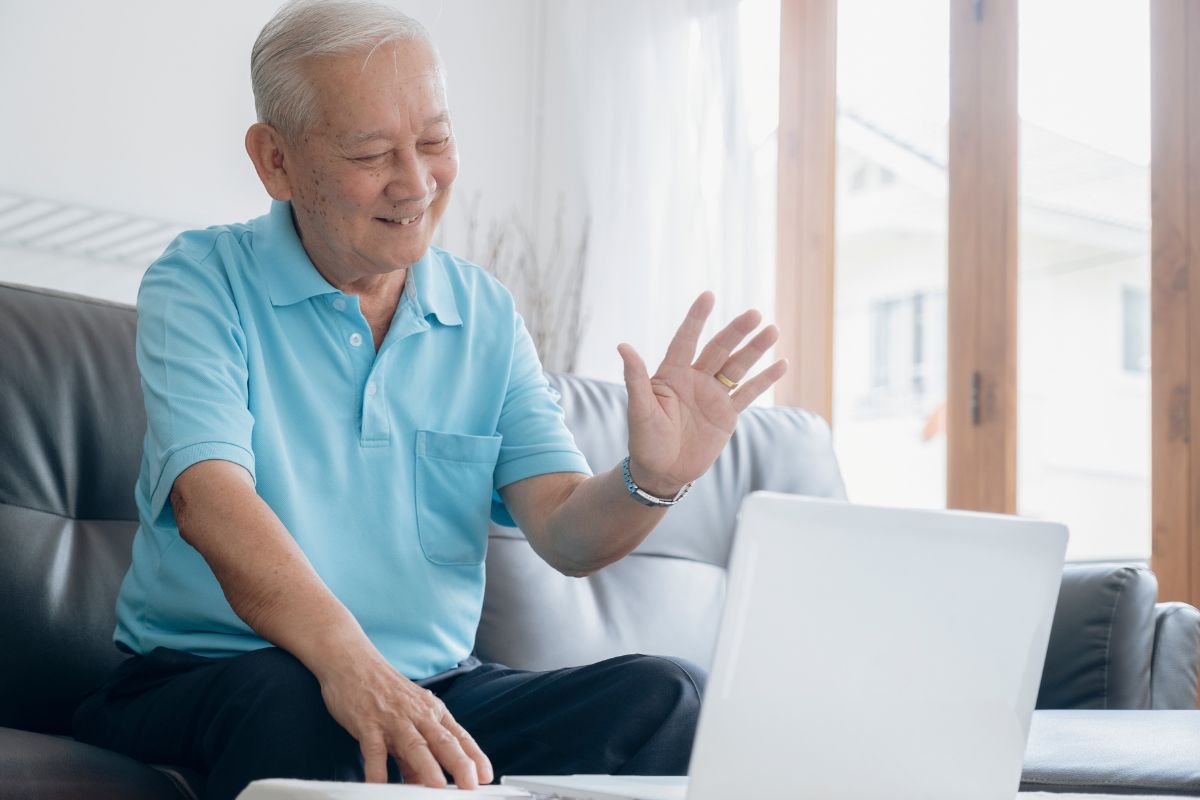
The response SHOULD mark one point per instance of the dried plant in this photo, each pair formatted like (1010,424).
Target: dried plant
(548,289)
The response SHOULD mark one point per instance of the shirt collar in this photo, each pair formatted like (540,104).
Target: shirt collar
(432,290)
(292,278)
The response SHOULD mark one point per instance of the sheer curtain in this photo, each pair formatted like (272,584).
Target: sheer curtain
(670,108)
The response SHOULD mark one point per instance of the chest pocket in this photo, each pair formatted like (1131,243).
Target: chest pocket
(454,495)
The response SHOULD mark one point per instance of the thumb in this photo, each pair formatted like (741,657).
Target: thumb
(637,381)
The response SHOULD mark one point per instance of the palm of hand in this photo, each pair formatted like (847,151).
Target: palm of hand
(684,433)
(681,419)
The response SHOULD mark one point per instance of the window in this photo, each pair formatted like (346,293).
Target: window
(909,346)
(1135,321)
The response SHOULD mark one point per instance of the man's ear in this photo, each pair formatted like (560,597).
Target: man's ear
(265,145)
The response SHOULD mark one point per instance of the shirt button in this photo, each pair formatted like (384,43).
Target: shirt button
(371,389)
(355,339)
(339,304)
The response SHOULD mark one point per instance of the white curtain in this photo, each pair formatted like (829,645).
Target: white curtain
(671,108)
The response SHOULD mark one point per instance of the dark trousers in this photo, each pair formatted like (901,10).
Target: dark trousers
(261,715)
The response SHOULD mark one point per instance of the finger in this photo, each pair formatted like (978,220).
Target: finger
(751,389)
(637,381)
(416,760)
(407,776)
(739,363)
(720,346)
(375,756)
(683,347)
(445,747)
(483,765)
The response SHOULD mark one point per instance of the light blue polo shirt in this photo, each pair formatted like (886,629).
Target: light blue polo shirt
(383,466)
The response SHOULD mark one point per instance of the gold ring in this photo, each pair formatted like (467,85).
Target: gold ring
(730,385)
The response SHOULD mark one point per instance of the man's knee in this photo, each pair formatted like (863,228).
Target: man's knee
(667,693)
(675,682)
(696,675)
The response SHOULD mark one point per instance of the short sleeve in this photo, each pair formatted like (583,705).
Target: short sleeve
(191,353)
(534,437)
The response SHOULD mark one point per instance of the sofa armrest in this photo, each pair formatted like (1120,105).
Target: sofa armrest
(1102,639)
(1173,677)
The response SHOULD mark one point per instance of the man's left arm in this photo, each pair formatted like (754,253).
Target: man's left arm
(679,421)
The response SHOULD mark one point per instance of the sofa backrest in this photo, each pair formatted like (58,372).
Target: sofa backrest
(666,597)
(71,425)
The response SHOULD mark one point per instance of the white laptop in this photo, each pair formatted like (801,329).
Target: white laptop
(865,653)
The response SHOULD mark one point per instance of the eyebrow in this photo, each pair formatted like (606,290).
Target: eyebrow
(367,136)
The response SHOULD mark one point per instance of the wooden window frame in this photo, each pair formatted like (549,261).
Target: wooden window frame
(1175,297)
(807,154)
(981,306)
(982,255)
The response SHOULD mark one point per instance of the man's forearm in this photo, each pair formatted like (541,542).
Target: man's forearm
(265,576)
(596,524)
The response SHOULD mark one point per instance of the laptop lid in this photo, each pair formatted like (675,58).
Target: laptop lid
(871,652)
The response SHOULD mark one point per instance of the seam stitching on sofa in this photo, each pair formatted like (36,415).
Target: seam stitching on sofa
(634,554)
(1108,633)
(42,291)
(1158,621)
(1136,785)
(7,504)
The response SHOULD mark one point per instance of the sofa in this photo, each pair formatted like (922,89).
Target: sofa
(1115,705)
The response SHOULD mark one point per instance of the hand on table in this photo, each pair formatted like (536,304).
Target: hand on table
(390,715)
(681,418)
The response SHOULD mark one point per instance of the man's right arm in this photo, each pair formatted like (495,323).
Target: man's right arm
(273,588)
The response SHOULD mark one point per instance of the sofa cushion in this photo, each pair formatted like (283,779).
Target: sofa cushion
(1102,640)
(35,766)
(1123,752)
(72,405)
(1173,677)
(70,442)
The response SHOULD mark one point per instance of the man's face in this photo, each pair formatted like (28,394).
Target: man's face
(371,177)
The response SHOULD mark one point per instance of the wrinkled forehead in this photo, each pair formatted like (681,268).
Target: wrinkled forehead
(400,78)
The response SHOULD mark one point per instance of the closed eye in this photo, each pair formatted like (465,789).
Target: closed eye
(372,157)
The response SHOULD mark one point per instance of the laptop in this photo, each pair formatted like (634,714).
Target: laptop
(865,652)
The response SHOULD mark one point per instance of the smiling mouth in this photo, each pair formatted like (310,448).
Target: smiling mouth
(401,221)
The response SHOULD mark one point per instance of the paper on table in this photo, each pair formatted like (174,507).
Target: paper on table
(289,789)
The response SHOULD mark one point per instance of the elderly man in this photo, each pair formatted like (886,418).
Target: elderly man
(335,408)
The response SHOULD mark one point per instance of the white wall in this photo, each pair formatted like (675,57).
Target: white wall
(141,107)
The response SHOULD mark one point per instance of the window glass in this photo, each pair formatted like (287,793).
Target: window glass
(1083,454)
(890,292)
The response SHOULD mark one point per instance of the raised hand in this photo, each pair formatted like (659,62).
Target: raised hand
(681,417)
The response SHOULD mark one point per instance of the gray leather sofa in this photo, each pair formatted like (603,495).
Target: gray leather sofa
(71,423)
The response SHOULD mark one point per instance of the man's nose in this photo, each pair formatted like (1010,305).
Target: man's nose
(410,177)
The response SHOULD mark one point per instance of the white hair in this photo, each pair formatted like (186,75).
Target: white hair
(305,29)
